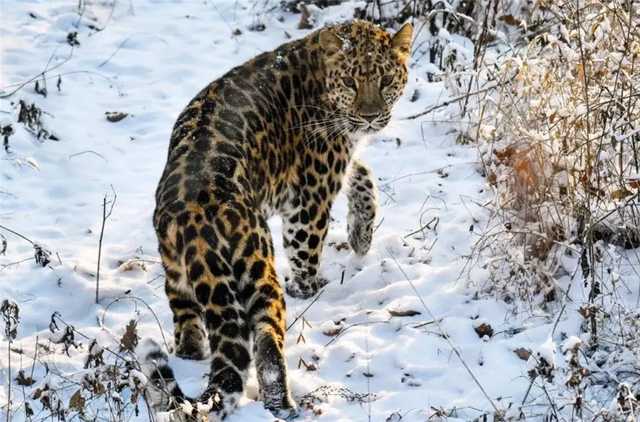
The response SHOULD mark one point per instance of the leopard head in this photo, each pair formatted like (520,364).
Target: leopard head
(366,72)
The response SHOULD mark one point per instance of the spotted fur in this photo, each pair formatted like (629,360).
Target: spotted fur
(273,136)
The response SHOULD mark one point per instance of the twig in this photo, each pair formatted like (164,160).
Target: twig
(448,102)
(375,229)
(524,399)
(98,30)
(116,354)
(35,356)
(306,309)
(105,216)
(423,324)
(426,226)
(88,152)
(44,81)
(498,414)
(123,44)
(368,377)
(413,174)
(16,233)
(88,72)
(4,266)
(9,382)
(356,325)
(118,299)
(10,316)
(41,74)
(565,301)
(233,33)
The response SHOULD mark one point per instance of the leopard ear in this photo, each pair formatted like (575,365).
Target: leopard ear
(330,42)
(401,41)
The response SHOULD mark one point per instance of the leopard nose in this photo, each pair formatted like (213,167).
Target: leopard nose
(370,117)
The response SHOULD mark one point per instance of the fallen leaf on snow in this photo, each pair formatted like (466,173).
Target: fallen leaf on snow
(484,330)
(333,333)
(22,380)
(130,338)
(114,116)
(77,401)
(523,353)
(403,313)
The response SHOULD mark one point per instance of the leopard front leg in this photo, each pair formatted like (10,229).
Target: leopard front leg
(304,231)
(361,197)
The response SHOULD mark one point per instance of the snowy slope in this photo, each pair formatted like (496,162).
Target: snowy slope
(147,59)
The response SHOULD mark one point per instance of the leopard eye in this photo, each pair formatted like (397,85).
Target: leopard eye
(386,80)
(349,82)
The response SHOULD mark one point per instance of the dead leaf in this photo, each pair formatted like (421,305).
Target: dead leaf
(305,22)
(237,32)
(37,393)
(442,174)
(509,20)
(620,194)
(114,116)
(309,366)
(132,265)
(368,375)
(540,248)
(403,313)
(588,311)
(82,271)
(22,380)
(332,333)
(484,329)
(505,155)
(130,338)
(550,296)
(47,349)
(77,401)
(523,353)
(525,172)
(341,246)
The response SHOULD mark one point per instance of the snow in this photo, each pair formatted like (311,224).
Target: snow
(139,376)
(149,59)
(187,407)
(547,351)
(571,343)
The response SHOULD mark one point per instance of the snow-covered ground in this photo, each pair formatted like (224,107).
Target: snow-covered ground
(368,332)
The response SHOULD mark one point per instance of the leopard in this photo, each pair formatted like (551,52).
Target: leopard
(278,135)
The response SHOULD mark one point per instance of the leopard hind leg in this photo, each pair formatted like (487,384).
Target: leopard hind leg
(188,325)
(264,304)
